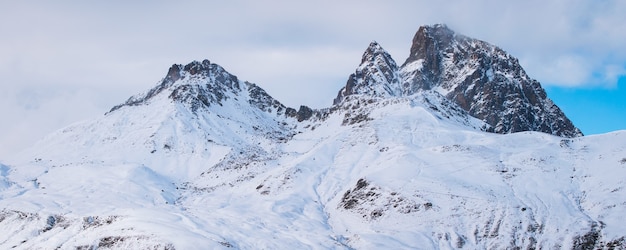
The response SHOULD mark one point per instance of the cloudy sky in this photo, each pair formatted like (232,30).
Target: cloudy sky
(67,61)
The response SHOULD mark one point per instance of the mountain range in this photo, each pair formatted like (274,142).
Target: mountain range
(457,148)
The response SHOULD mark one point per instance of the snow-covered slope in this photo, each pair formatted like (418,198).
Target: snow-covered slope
(207,161)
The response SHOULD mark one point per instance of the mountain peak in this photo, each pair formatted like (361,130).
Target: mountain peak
(198,84)
(484,80)
(479,77)
(196,67)
(376,76)
(372,50)
(436,30)
(177,71)
(173,74)
(428,40)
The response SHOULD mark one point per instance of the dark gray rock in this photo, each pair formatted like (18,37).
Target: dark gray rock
(304,113)
(377,75)
(480,78)
(263,101)
(213,85)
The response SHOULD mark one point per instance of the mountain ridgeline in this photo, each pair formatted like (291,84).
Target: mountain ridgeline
(456,148)
(482,79)
(479,77)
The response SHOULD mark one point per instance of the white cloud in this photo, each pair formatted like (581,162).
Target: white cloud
(566,70)
(30,114)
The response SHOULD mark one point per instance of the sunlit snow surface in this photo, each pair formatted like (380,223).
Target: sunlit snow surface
(410,176)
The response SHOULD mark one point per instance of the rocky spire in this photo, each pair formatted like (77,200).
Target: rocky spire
(377,76)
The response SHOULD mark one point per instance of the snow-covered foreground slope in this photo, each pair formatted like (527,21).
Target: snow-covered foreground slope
(404,177)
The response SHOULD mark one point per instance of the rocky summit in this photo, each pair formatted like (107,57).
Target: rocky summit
(405,158)
(479,77)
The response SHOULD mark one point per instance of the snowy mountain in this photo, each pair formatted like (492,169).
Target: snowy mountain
(207,161)
(479,77)
(484,80)
(378,76)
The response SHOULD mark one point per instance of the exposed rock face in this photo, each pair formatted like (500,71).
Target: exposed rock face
(484,80)
(377,76)
(197,84)
(202,84)
(481,78)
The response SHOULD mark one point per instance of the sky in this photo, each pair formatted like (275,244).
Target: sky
(66,61)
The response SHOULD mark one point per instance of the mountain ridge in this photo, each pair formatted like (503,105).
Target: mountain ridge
(481,78)
(206,160)
(497,90)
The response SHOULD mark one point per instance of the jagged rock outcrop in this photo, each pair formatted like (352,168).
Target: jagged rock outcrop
(481,78)
(198,84)
(202,84)
(484,80)
(376,76)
